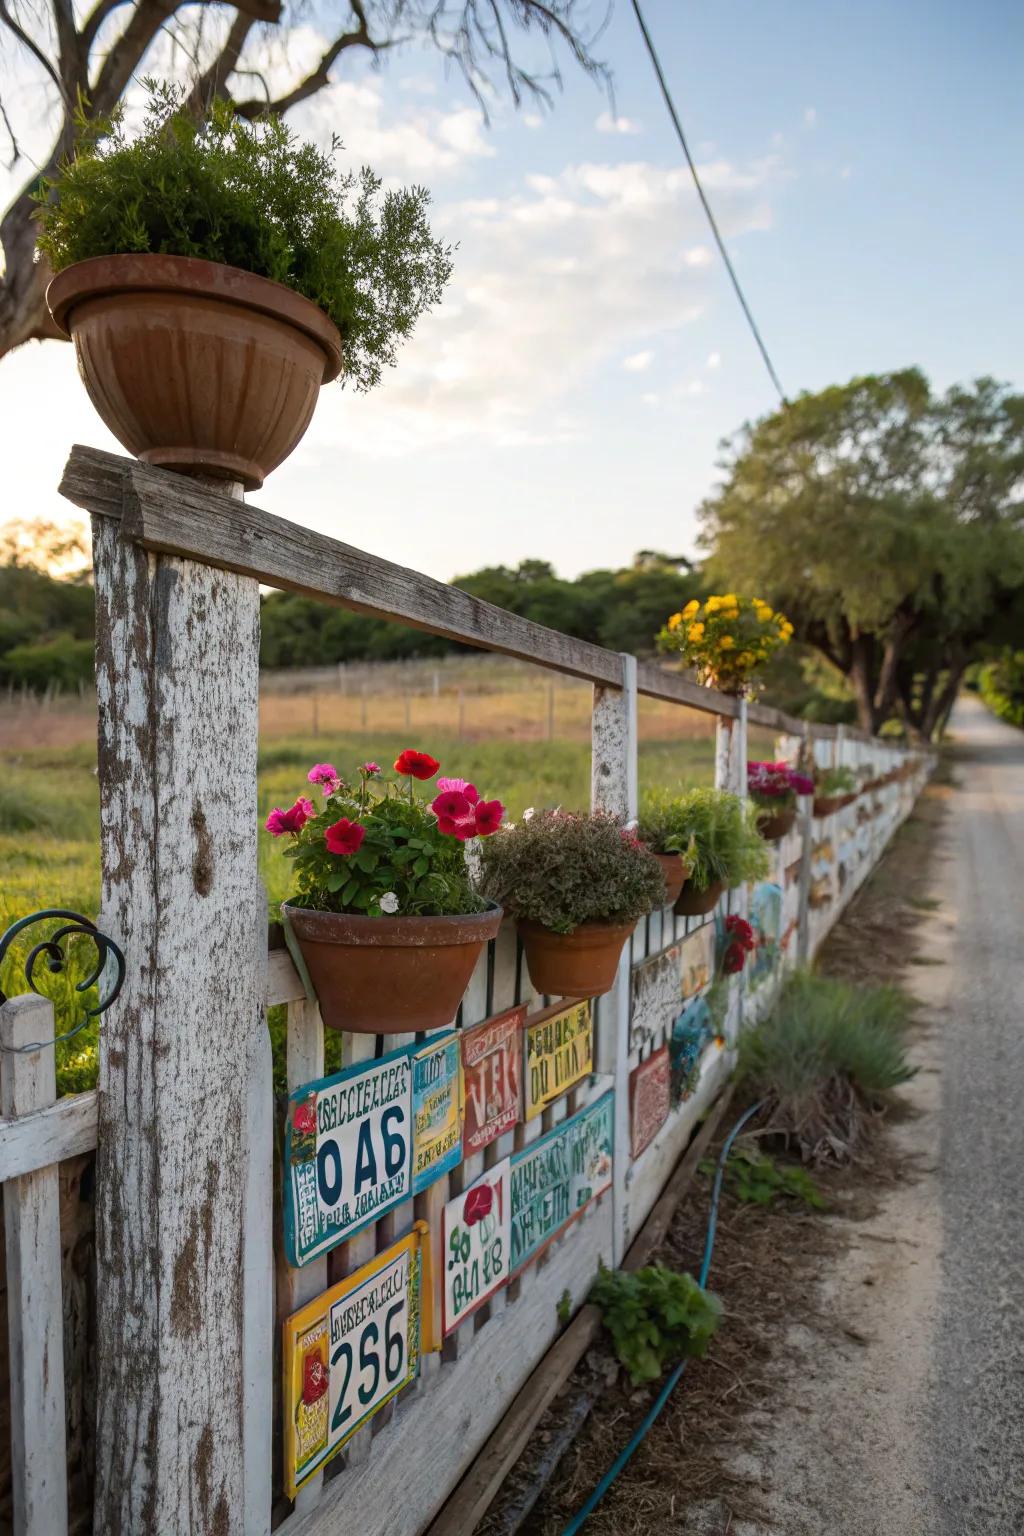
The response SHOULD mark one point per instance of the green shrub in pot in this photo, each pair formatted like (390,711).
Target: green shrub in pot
(724,848)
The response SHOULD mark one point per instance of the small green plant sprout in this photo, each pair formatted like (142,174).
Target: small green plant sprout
(655,1316)
(716,833)
(757,1179)
(254,196)
(564,1307)
(835,781)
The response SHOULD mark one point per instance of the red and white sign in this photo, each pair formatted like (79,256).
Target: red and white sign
(492,1076)
(476,1244)
(649,1098)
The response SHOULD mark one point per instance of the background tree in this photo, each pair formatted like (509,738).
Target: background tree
(889,524)
(86,59)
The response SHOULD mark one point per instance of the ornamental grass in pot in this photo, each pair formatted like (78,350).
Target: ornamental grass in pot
(386,914)
(724,848)
(577,885)
(662,827)
(833,788)
(773,788)
(213,273)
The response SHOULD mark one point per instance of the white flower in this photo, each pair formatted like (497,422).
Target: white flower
(528,813)
(389,902)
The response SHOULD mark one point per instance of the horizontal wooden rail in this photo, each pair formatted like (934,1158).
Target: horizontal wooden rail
(171,514)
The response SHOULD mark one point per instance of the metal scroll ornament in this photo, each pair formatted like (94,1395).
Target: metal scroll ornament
(109,962)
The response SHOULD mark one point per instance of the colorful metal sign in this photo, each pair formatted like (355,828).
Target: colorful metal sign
(491,1059)
(698,960)
(348,1153)
(556,1177)
(766,921)
(691,1033)
(654,1002)
(476,1240)
(349,1351)
(559,1052)
(436,1110)
(649,1085)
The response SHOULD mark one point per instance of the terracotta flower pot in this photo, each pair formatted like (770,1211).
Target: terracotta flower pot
(827,805)
(693,903)
(674,870)
(773,825)
(193,365)
(578,964)
(389,975)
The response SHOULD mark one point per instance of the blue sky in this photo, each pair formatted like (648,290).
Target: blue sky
(567,400)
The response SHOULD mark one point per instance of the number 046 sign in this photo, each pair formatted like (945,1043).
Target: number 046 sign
(348,1352)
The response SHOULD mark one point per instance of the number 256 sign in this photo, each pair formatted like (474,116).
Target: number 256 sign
(348,1352)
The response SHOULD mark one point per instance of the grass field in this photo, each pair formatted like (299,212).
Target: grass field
(49,796)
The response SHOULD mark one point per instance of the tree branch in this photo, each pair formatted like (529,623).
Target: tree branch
(17,30)
(210,83)
(319,77)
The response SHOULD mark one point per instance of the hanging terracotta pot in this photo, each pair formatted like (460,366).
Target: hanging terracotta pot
(675,872)
(827,805)
(578,964)
(773,825)
(193,365)
(693,903)
(390,975)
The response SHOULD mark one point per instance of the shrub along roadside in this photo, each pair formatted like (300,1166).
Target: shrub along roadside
(1001,685)
(825,1060)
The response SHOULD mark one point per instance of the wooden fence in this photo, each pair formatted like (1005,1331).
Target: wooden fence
(192,1284)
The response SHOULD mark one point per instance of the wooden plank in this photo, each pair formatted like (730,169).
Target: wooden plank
(284,985)
(657,682)
(169,514)
(35,1302)
(474,1495)
(49,1135)
(177,686)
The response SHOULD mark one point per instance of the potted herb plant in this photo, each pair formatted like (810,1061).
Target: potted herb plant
(662,826)
(833,788)
(577,885)
(385,911)
(724,848)
(213,273)
(773,788)
(726,639)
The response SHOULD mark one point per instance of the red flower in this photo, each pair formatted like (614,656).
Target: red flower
(462,829)
(279,822)
(451,805)
(304,1119)
(478,1204)
(416,765)
(345,837)
(741,932)
(735,956)
(488,817)
(314,1377)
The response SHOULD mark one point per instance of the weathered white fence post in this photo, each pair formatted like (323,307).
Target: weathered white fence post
(613,787)
(184,1170)
(35,1303)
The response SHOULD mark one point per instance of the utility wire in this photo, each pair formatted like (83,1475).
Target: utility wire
(670,104)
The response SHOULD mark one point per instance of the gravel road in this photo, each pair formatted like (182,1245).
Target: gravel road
(905,1416)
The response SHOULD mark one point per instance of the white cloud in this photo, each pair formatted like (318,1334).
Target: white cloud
(698,256)
(714,360)
(638,362)
(810,117)
(533,120)
(651,399)
(424,140)
(606,123)
(695,387)
(846,173)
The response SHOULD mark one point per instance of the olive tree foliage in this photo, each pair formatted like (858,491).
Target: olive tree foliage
(888,522)
(85,58)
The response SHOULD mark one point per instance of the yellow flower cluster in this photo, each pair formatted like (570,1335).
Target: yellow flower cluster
(726,637)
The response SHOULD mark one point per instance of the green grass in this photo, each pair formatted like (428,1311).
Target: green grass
(49,822)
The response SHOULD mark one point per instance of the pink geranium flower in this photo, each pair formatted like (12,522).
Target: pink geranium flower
(463,828)
(326,775)
(488,818)
(460,786)
(345,837)
(370,770)
(450,805)
(293,820)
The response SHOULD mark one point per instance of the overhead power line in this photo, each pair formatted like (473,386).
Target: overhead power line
(670,104)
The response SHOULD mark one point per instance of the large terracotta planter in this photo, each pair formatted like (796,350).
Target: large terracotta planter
(675,871)
(390,975)
(196,366)
(773,825)
(578,964)
(693,903)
